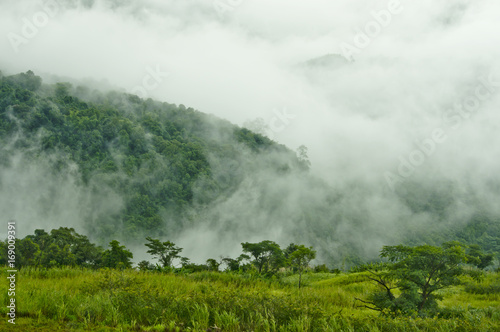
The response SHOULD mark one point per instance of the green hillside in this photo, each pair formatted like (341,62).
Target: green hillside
(153,155)
(115,166)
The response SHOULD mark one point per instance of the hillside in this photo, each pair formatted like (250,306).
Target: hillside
(158,158)
(115,166)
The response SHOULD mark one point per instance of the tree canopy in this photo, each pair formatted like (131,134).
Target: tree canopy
(418,273)
(165,252)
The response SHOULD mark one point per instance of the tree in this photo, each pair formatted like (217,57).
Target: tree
(267,255)
(235,264)
(42,238)
(189,267)
(288,250)
(117,256)
(165,252)
(28,80)
(85,252)
(300,259)
(145,266)
(27,251)
(213,265)
(55,255)
(478,258)
(302,157)
(418,272)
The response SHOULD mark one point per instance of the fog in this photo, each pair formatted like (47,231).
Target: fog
(412,97)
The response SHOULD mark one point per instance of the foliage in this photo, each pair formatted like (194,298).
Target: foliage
(62,247)
(166,252)
(478,258)
(166,163)
(117,256)
(418,273)
(128,300)
(300,258)
(153,155)
(267,255)
(237,264)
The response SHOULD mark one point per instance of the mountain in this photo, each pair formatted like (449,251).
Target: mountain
(115,166)
(156,154)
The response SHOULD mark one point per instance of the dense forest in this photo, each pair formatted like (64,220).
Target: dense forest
(116,166)
(154,155)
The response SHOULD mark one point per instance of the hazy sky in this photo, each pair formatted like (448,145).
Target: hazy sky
(241,60)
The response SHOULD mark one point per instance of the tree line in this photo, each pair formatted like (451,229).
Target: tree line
(65,247)
(408,278)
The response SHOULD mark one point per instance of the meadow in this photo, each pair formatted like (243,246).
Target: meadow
(76,299)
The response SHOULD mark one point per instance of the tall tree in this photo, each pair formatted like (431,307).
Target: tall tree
(300,259)
(117,256)
(418,272)
(267,255)
(165,252)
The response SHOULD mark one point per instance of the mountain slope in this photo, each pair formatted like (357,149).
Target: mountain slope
(115,166)
(152,155)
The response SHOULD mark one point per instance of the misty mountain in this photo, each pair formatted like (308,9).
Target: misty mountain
(113,165)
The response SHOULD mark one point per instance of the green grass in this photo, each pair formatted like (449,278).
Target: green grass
(108,300)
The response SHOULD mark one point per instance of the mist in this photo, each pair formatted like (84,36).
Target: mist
(413,108)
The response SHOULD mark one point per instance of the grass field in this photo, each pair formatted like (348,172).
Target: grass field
(109,300)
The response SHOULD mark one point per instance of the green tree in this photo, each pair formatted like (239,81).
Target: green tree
(267,255)
(288,250)
(56,256)
(302,157)
(418,272)
(85,252)
(235,264)
(165,252)
(478,258)
(145,266)
(300,259)
(27,252)
(213,265)
(117,256)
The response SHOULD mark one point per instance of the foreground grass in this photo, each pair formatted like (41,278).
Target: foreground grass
(108,300)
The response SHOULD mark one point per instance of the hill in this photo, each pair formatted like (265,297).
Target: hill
(156,158)
(115,166)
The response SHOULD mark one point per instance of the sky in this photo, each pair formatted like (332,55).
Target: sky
(413,94)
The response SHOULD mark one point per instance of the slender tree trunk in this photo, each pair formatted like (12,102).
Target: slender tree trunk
(300,277)
(422,303)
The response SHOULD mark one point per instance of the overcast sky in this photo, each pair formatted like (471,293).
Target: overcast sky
(385,113)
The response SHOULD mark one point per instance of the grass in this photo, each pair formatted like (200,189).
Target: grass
(108,300)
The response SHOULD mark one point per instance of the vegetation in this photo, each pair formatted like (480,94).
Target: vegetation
(166,165)
(140,167)
(418,273)
(277,290)
(152,155)
(166,252)
(129,300)
(300,259)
